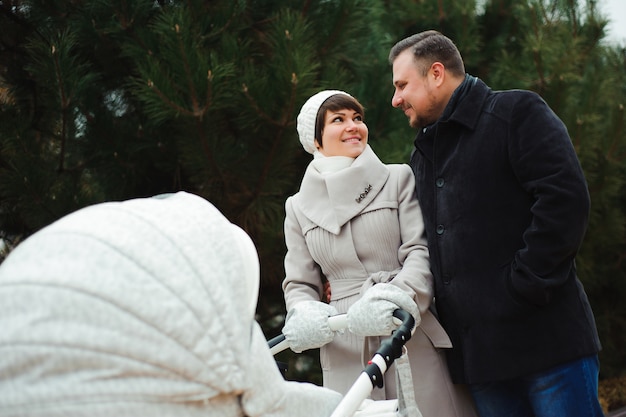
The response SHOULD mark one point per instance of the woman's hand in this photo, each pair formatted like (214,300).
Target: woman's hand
(306,325)
(372,315)
(326,292)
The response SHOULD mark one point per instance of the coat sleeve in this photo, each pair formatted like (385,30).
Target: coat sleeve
(303,277)
(415,276)
(546,164)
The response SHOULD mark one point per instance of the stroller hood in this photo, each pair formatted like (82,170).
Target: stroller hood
(142,307)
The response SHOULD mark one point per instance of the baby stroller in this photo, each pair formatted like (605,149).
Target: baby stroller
(355,403)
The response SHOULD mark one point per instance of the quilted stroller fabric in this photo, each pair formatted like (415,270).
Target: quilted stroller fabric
(140,308)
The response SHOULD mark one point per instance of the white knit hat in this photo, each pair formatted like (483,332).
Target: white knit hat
(308,115)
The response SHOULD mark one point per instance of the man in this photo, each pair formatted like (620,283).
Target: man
(505,204)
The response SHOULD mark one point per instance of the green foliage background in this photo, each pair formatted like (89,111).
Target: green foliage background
(113,99)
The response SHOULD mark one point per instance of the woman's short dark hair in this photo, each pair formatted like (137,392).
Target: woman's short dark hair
(334,103)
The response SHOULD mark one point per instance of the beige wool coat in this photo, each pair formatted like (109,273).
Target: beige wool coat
(357,227)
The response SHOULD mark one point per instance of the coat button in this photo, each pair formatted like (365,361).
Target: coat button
(439,182)
(440,229)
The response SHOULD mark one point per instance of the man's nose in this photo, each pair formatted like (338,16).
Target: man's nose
(396,100)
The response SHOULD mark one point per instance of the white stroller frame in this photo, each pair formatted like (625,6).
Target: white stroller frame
(390,349)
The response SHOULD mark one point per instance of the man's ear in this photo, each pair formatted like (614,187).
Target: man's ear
(437,72)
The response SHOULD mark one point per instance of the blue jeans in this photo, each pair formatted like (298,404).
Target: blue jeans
(568,390)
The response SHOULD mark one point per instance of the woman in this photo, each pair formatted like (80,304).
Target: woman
(356,223)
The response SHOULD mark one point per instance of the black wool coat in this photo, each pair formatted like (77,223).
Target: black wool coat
(506,205)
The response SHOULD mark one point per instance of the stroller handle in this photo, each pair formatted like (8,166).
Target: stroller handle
(372,376)
(391,348)
(339,322)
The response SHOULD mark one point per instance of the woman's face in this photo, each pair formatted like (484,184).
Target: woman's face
(344,133)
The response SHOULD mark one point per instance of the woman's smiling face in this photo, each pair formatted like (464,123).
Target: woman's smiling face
(344,134)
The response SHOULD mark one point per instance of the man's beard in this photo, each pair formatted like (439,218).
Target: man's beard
(419,122)
(427,118)
(416,123)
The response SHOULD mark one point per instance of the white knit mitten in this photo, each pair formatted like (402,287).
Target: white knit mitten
(372,314)
(306,325)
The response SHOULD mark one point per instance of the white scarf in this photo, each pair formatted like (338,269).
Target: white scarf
(329,164)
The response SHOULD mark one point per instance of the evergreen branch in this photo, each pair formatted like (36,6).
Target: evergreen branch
(217,34)
(269,161)
(620,260)
(613,150)
(292,98)
(571,8)
(576,139)
(14,17)
(537,58)
(28,190)
(22,22)
(544,13)
(64,106)
(260,111)
(195,102)
(201,132)
(204,140)
(167,101)
(126,24)
(209,92)
(305,8)
(442,13)
(334,35)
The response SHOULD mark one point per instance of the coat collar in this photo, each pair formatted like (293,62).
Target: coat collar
(468,108)
(464,108)
(331,200)
(465,105)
